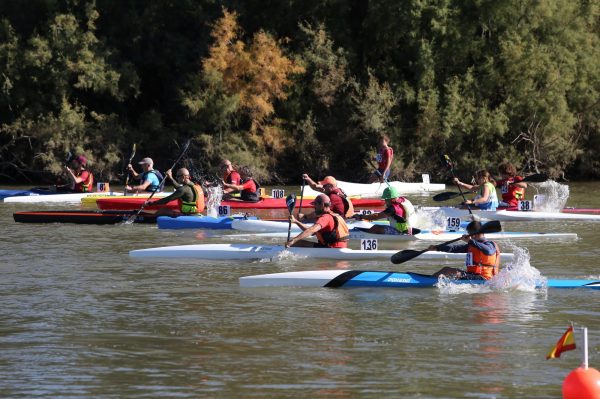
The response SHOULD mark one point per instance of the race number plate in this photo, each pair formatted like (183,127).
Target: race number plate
(224,210)
(278,193)
(368,244)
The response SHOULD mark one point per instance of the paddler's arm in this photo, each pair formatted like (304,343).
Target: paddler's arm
(306,233)
(315,186)
(298,223)
(177,194)
(470,187)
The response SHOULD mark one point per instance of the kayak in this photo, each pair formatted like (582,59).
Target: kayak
(91,200)
(197,222)
(509,215)
(82,217)
(359,278)
(357,234)
(375,190)
(120,203)
(15,193)
(257,251)
(59,198)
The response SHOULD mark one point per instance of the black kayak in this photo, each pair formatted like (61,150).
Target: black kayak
(82,217)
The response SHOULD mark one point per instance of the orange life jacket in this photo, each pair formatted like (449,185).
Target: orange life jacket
(339,233)
(194,206)
(478,262)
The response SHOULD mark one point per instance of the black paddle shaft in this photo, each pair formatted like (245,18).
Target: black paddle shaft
(493,226)
(290,202)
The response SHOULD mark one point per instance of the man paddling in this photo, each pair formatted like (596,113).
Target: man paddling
(150,179)
(483,255)
(330,228)
(189,195)
(340,203)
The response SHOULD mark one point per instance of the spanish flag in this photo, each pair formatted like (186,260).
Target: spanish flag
(565,343)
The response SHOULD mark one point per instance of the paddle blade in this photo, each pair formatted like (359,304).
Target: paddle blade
(405,255)
(492,226)
(445,196)
(290,202)
(535,178)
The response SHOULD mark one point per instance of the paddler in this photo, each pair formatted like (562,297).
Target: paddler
(511,186)
(398,210)
(150,178)
(486,198)
(340,203)
(230,176)
(384,158)
(330,228)
(482,260)
(188,194)
(82,180)
(248,188)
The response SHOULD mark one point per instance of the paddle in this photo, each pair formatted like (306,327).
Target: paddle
(128,173)
(450,166)
(134,216)
(301,197)
(535,178)
(290,202)
(408,254)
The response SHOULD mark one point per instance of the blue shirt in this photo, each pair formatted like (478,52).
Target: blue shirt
(151,177)
(485,246)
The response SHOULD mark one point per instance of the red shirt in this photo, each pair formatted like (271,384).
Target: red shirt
(511,194)
(382,157)
(233,178)
(337,204)
(87,183)
(328,225)
(249,185)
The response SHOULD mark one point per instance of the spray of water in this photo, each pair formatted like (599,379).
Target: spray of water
(215,194)
(551,196)
(430,219)
(517,275)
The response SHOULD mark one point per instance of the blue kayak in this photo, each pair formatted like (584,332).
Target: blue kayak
(15,193)
(198,222)
(381,279)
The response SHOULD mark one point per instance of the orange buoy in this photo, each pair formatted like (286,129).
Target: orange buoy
(582,383)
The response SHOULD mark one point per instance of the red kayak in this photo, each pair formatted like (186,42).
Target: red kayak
(117,203)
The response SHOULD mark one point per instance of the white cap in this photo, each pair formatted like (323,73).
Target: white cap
(147,161)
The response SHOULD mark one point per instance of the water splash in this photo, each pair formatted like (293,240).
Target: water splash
(551,196)
(517,275)
(430,219)
(215,194)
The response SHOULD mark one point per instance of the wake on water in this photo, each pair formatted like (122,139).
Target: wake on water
(517,275)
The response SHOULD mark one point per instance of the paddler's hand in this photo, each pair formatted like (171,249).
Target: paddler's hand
(169,173)
(465,238)
(292,219)
(148,203)
(130,167)
(289,243)
(129,188)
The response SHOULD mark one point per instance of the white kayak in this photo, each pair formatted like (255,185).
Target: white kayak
(375,190)
(257,251)
(275,229)
(505,215)
(425,235)
(57,198)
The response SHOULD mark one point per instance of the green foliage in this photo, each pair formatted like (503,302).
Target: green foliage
(292,87)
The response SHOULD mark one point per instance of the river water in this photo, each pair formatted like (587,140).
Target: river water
(80,319)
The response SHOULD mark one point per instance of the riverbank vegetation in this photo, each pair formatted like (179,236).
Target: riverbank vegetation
(300,86)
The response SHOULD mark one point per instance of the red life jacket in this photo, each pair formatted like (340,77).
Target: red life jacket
(348,207)
(511,194)
(85,186)
(478,262)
